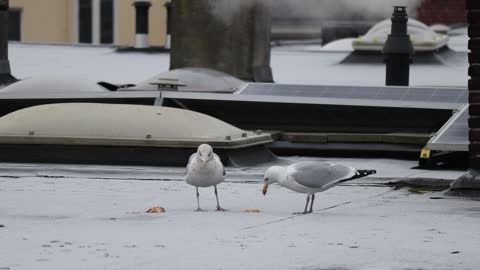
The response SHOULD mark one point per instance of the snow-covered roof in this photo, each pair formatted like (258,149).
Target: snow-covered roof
(423,37)
(289,66)
(339,45)
(53,84)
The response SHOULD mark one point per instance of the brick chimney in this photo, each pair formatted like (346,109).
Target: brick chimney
(474,82)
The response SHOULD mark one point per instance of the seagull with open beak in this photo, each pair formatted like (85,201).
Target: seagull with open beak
(205,169)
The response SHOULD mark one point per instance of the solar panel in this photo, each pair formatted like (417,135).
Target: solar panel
(453,136)
(419,94)
(387,103)
(307,114)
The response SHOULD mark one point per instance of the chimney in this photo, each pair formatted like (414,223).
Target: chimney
(237,43)
(5,75)
(141,10)
(398,50)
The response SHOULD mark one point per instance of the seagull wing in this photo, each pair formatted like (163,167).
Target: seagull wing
(320,175)
(190,161)
(219,161)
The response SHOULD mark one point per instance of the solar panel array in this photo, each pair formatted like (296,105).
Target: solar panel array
(453,136)
(419,94)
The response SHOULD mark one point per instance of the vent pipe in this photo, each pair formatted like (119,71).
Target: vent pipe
(398,50)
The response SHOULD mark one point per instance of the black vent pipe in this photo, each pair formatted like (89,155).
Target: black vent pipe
(398,50)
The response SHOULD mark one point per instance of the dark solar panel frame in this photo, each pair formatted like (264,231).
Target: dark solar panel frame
(453,136)
(405,94)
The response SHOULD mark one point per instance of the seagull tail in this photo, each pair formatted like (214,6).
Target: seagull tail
(363,173)
(360,174)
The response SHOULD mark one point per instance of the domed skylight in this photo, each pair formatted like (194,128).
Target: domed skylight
(127,125)
(423,37)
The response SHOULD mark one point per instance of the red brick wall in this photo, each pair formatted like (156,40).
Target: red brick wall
(442,11)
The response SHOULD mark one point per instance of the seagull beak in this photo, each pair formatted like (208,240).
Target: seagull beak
(265,188)
(204,163)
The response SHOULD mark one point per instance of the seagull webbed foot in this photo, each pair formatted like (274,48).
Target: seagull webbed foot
(220,209)
(200,210)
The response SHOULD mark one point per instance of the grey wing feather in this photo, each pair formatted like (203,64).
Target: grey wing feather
(190,162)
(217,158)
(320,175)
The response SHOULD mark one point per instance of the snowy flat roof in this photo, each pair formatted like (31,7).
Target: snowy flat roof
(288,67)
(78,95)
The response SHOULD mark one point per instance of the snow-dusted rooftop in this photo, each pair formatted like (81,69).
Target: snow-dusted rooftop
(92,217)
(293,65)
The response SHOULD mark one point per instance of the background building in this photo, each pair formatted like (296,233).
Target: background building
(331,19)
(449,12)
(112,22)
(82,22)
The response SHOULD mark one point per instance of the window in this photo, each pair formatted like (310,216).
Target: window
(106,21)
(85,21)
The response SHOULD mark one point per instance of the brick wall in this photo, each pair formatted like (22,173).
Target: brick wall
(473,7)
(442,11)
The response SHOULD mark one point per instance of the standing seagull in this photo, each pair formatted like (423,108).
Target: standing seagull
(310,177)
(204,169)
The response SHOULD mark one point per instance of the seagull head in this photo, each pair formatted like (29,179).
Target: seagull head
(205,154)
(272,175)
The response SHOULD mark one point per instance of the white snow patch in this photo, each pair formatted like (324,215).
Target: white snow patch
(93,223)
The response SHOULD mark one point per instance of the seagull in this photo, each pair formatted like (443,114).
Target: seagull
(310,177)
(204,169)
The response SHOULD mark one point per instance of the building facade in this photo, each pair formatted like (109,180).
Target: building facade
(96,22)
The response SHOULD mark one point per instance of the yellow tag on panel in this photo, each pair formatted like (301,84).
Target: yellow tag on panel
(425,153)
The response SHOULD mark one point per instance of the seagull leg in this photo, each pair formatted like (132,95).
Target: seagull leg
(306,207)
(311,204)
(198,202)
(218,204)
